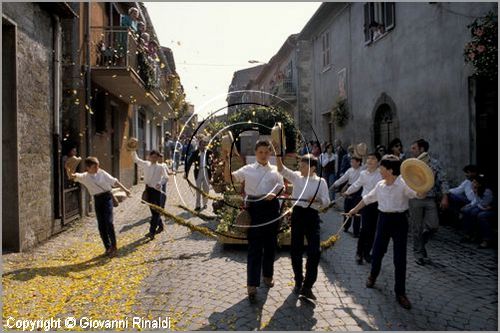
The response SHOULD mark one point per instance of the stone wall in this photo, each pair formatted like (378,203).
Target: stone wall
(34,120)
(419,65)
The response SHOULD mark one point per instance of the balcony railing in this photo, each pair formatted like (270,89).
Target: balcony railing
(284,89)
(120,48)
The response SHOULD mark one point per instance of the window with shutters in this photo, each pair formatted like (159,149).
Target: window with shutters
(325,40)
(379,19)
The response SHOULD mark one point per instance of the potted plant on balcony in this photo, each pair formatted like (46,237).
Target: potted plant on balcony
(481,51)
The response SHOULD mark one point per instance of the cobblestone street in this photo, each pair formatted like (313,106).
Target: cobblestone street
(201,284)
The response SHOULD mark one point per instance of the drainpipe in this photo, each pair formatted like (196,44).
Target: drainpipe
(88,87)
(56,146)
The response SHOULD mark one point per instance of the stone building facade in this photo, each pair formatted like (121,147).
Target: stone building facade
(63,90)
(406,78)
(31,50)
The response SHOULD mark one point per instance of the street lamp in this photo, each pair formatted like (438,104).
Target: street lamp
(255,62)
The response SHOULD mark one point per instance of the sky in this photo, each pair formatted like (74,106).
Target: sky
(210,41)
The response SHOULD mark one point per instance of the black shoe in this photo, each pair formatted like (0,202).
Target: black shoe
(370,282)
(359,260)
(403,301)
(420,261)
(159,230)
(307,293)
(197,209)
(368,258)
(204,207)
(150,235)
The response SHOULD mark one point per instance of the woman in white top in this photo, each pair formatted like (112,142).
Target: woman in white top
(367,180)
(305,220)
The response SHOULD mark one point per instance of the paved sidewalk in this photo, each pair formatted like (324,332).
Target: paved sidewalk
(201,284)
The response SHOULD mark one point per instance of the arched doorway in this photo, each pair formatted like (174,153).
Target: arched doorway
(385,122)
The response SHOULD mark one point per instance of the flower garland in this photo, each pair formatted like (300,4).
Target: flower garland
(482,49)
(340,112)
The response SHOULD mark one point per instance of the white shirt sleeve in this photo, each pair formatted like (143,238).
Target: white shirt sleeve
(324,195)
(459,189)
(344,178)
(372,196)
(409,193)
(239,175)
(139,161)
(289,174)
(356,185)
(79,176)
(108,178)
(280,183)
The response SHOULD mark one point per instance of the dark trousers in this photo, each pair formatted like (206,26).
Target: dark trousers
(349,203)
(395,226)
(262,240)
(154,197)
(369,216)
(163,200)
(475,219)
(104,213)
(305,222)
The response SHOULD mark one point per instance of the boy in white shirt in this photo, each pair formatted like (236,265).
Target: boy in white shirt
(305,220)
(155,176)
(263,184)
(99,184)
(350,176)
(367,180)
(392,195)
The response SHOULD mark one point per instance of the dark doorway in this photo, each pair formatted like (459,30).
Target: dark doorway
(485,149)
(386,125)
(10,189)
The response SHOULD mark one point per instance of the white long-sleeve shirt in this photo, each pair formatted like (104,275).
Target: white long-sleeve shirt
(391,198)
(259,179)
(305,187)
(154,174)
(351,175)
(96,183)
(325,158)
(464,189)
(367,180)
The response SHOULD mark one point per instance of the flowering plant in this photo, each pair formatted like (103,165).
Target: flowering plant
(340,112)
(481,50)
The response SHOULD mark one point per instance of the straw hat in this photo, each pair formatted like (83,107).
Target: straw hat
(417,175)
(71,164)
(243,219)
(132,144)
(278,138)
(119,194)
(360,150)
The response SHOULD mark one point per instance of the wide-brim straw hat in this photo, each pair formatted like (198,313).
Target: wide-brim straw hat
(71,164)
(243,219)
(132,144)
(278,137)
(360,150)
(417,175)
(119,194)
